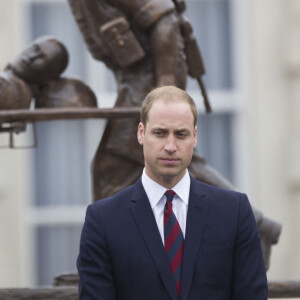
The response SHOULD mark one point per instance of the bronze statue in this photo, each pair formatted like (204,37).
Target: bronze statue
(146,44)
(141,42)
(65,92)
(14,92)
(37,70)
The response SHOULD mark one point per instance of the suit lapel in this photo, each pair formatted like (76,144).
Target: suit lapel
(196,217)
(145,220)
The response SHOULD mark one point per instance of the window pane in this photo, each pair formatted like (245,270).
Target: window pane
(62,161)
(57,248)
(211,25)
(215,142)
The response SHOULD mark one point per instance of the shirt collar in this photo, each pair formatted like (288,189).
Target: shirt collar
(155,191)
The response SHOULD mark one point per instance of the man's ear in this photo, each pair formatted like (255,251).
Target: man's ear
(195,136)
(140,133)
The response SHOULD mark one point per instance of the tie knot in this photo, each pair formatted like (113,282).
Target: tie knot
(170,195)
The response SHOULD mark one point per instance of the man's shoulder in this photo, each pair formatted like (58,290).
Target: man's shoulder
(222,202)
(120,198)
(211,189)
(219,197)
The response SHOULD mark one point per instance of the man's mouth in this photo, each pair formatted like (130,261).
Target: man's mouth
(169,160)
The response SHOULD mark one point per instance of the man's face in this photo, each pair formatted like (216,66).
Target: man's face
(37,63)
(168,140)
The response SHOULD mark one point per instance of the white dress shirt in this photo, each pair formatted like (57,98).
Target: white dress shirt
(157,198)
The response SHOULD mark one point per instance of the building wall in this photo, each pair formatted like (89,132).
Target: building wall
(13,169)
(273,111)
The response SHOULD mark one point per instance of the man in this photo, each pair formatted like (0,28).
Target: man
(141,244)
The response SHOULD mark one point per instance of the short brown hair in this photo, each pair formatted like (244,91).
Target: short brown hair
(166,93)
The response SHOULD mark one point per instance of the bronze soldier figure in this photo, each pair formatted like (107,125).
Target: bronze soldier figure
(141,42)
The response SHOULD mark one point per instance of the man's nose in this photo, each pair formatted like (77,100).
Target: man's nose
(170,145)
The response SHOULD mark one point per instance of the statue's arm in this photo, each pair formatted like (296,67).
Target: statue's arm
(164,37)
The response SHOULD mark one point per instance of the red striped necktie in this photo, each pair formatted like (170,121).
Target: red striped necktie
(174,240)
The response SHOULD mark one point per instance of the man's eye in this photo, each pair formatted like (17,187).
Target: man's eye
(158,133)
(181,134)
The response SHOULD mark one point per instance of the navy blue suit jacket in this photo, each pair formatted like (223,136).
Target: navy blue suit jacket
(122,255)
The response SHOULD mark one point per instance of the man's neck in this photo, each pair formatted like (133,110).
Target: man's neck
(166,181)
